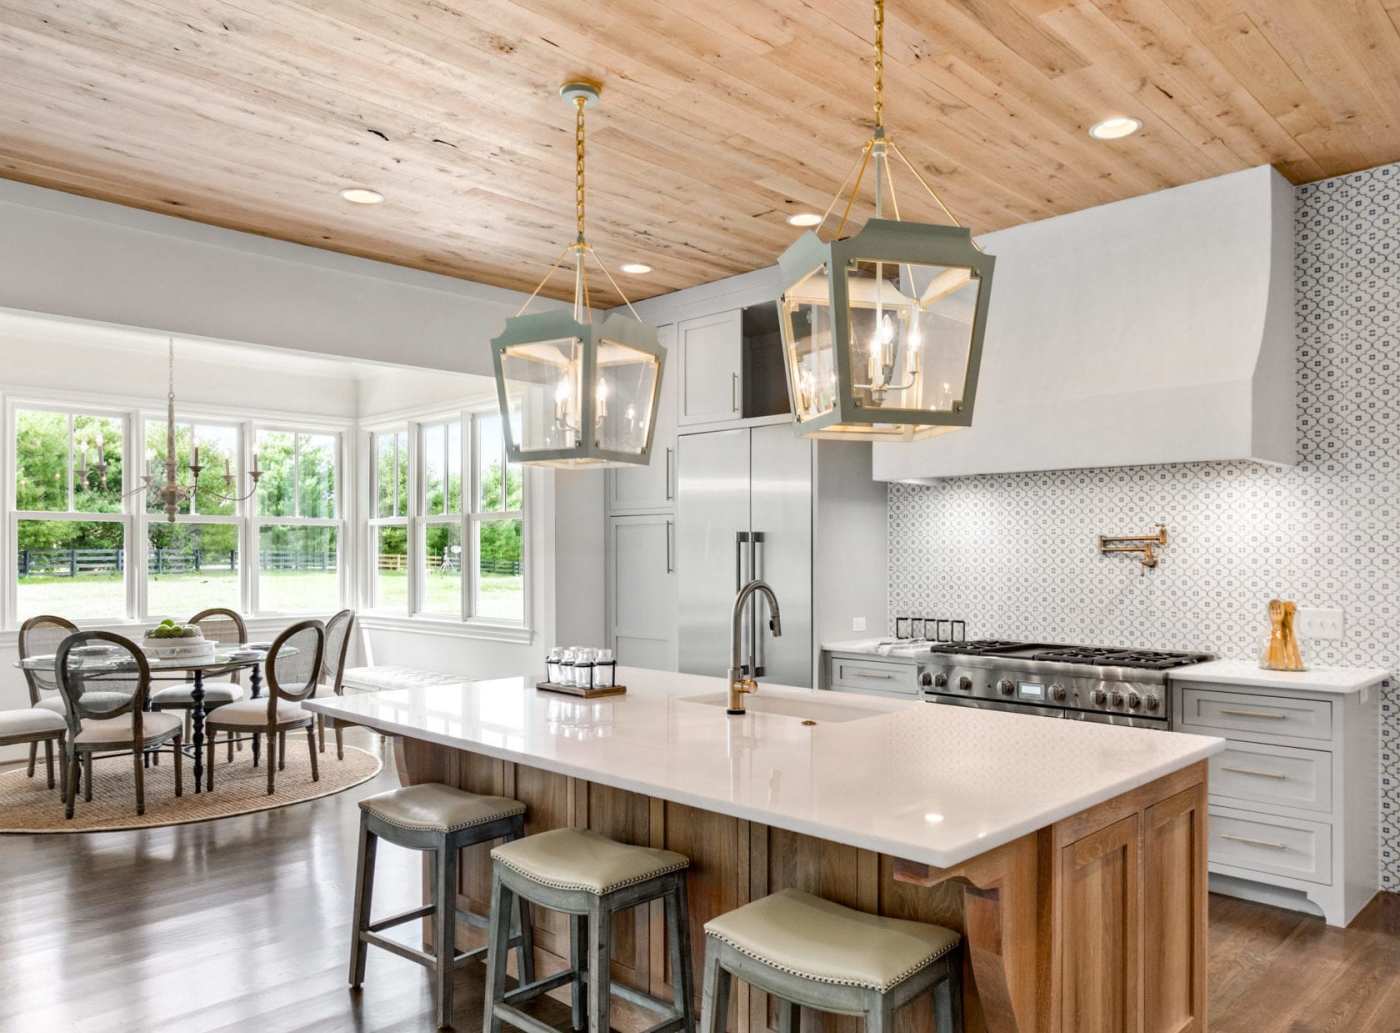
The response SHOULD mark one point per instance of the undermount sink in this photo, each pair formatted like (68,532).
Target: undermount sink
(786,706)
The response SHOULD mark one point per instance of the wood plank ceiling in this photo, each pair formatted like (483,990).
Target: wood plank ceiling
(719,117)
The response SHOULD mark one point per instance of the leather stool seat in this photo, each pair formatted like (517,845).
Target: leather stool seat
(816,939)
(577,859)
(434,807)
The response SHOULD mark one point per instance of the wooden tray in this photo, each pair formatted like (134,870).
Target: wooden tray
(581,693)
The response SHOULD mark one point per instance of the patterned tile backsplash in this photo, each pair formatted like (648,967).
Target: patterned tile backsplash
(1014,554)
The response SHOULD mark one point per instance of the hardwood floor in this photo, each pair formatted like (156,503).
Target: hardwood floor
(243,924)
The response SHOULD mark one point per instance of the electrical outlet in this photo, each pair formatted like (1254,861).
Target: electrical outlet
(857,623)
(1314,622)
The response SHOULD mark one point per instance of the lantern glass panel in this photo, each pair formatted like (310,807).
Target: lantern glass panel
(807,338)
(625,385)
(543,381)
(910,334)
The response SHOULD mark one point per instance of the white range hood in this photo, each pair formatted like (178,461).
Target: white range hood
(1153,330)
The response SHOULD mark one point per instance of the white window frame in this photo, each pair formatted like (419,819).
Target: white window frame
(14,516)
(132,414)
(405,519)
(475,517)
(254,522)
(139,549)
(419,486)
(418,520)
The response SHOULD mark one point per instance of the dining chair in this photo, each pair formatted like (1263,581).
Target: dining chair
(40,636)
(96,727)
(293,668)
(224,627)
(338,630)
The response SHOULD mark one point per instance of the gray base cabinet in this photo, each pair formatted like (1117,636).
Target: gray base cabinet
(642,590)
(1293,798)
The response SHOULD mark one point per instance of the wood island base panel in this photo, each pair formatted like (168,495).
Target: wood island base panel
(1093,924)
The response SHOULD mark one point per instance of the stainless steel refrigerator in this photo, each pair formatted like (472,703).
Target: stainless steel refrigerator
(744,509)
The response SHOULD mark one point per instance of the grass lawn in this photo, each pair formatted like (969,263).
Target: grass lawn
(183,595)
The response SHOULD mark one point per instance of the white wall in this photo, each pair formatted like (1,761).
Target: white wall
(87,259)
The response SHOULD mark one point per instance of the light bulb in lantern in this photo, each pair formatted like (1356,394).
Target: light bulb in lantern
(914,342)
(561,400)
(602,395)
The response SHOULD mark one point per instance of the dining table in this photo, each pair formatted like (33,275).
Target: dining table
(225,660)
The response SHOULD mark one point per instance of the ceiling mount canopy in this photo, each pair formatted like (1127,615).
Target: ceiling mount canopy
(882,330)
(576,390)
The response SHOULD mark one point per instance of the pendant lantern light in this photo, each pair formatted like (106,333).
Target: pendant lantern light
(576,390)
(882,330)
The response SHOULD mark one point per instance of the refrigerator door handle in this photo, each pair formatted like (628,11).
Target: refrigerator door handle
(741,539)
(756,604)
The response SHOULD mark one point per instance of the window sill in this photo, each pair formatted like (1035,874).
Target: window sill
(446,627)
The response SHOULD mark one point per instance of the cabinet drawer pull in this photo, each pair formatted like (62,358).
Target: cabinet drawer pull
(1255,772)
(1269,714)
(1254,842)
(670,562)
(733,392)
(874,674)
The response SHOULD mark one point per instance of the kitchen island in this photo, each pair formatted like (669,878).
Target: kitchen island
(1071,855)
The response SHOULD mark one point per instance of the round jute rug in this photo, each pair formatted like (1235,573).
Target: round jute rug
(27,805)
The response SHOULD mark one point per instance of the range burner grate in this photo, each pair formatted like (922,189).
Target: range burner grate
(1143,659)
(976,647)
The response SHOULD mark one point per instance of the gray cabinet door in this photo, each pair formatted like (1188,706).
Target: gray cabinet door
(642,591)
(652,487)
(712,509)
(781,522)
(710,350)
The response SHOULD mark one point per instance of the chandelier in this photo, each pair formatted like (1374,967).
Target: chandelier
(576,390)
(882,330)
(172,493)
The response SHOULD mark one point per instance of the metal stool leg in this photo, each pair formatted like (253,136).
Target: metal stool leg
(948,997)
(444,920)
(714,1003)
(599,969)
(578,958)
(364,896)
(497,951)
(678,932)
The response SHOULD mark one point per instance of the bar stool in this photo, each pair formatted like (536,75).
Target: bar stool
(804,950)
(590,878)
(441,820)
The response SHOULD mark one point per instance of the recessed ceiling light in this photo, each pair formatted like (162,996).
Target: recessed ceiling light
(933,819)
(1115,128)
(804,219)
(361,195)
(636,268)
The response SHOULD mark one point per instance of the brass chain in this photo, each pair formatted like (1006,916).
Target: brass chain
(879,64)
(578,166)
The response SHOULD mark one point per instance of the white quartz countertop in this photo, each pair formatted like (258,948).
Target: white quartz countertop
(934,784)
(1338,680)
(892,648)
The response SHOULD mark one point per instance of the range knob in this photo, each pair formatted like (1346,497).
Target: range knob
(1099,697)
(1006,687)
(1134,700)
(965,683)
(1153,703)
(940,680)
(1116,699)
(1057,693)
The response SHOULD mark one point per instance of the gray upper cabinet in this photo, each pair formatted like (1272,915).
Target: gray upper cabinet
(646,489)
(710,351)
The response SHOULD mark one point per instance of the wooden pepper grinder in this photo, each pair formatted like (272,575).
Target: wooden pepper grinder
(1282,652)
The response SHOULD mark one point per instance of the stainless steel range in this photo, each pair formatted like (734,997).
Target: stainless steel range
(1110,686)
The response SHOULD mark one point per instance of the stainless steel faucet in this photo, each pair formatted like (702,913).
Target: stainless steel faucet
(739,686)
